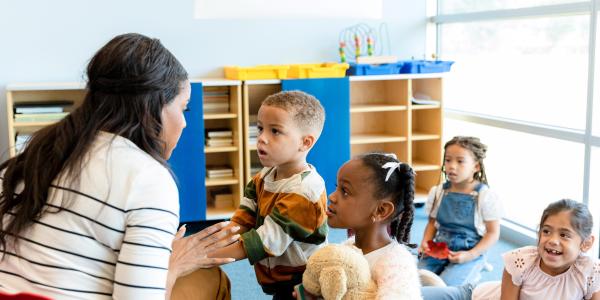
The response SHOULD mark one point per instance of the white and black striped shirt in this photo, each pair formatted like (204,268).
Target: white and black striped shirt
(112,238)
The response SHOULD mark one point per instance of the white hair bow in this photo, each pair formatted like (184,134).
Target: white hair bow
(391,166)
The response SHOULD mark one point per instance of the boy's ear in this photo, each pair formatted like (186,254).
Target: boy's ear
(385,209)
(587,244)
(307,142)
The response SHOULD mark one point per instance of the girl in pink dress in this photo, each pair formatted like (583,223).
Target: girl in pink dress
(557,268)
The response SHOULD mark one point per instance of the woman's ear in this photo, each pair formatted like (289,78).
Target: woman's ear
(385,209)
(587,244)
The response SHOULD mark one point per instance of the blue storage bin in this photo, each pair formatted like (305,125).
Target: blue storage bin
(369,69)
(425,66)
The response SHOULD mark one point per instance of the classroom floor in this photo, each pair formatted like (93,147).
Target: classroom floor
(244,285)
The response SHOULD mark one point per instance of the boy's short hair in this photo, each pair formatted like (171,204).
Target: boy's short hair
(306,110)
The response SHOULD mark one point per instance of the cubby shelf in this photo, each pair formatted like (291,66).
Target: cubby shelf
(362,108)
(384,119)
(357,139)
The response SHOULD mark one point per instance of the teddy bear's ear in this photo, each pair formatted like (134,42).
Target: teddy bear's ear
(333,283)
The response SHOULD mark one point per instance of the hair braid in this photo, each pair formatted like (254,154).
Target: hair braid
(400,188)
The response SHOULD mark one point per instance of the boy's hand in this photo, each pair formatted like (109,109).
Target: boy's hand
(460,257)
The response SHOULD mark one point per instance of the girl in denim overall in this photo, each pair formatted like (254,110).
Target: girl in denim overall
(463,213)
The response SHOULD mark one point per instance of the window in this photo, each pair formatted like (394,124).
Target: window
(527,171)
(465,6)
(531,69)
(520,83)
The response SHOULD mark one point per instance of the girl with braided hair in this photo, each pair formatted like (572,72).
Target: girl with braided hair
(375,192)
(463,213)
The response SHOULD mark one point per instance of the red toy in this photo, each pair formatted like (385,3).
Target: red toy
(437,250)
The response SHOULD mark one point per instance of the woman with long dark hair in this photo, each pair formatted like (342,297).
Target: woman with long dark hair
(90,209)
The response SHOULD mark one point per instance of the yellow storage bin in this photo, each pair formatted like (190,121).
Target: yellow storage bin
(324,70)
(258,72)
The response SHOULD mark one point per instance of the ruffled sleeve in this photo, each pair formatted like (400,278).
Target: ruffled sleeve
(517,262)
(593,278)
(429,205)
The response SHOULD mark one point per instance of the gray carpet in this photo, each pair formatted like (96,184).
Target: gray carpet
(245,286)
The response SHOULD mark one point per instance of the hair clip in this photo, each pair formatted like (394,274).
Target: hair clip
(391,166)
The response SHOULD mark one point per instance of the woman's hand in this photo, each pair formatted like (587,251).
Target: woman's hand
(189,253)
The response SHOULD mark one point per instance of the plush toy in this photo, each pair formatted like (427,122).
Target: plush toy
(338,272)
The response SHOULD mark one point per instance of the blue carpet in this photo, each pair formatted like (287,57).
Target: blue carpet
(245,286)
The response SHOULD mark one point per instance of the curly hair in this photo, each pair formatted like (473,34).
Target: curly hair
(306,110)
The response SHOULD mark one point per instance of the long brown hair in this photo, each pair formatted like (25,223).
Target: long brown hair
(130,79)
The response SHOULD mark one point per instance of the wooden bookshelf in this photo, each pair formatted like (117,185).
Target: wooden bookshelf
(383,118)
(232,155)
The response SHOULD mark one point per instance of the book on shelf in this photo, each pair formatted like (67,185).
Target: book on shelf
(219,171)
(211,133)
(41,117)
(215,142)
(219,175)
(42,107)
(424,101)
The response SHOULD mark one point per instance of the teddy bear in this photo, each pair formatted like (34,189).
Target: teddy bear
(338,272)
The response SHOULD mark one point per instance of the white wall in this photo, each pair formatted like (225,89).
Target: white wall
(45,41)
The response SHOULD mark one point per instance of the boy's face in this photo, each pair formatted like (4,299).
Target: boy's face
(279,138)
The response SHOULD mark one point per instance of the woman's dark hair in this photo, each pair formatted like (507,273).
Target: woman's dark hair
(581,218)
(476,147)
(400,187)
(130,79)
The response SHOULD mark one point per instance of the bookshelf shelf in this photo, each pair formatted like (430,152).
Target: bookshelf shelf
(357,139)
(220,116)
(222,181)
(361,108)
(220,149)
(424,166)
(423,106)
(18,125)
(219,213)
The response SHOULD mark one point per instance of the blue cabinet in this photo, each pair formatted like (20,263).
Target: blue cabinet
(188,162)
(332,149)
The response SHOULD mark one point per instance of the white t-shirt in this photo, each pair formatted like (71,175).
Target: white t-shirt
(489,206)
(112,239)
(394,270)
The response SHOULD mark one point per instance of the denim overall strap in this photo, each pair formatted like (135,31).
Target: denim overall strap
(456,219)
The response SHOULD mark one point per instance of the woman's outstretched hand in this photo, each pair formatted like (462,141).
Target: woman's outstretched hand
(189,253)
